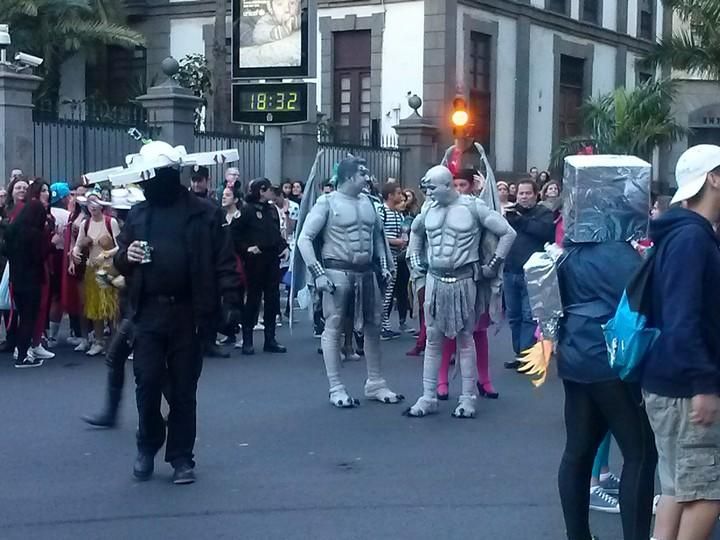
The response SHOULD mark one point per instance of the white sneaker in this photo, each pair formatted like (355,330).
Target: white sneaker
(83,346)
(96,349)
(41,353)
(74,341)
(239,342)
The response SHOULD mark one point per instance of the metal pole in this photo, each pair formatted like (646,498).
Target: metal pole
(273,154)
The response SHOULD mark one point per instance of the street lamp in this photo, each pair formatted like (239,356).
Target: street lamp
(4,42)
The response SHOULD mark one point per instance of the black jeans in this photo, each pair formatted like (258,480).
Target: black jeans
(168,350)
(590,411)
(401,289)
(263,283)
(119,350)
(27,307)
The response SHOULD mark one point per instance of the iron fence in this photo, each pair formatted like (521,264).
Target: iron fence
(69,142)
(384,162)
(250,147)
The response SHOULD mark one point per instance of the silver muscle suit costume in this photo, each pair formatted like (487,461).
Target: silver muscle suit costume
(449,231)
(344,248)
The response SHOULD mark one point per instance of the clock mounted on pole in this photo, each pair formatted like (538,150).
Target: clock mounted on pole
(274,61)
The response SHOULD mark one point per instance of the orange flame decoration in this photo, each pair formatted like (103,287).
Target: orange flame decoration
(537,360)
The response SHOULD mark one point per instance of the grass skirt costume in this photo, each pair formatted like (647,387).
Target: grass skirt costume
(101,303)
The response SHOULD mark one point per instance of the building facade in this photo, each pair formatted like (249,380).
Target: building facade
(524,66)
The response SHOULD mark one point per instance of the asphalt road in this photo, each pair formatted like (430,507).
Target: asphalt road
(277,461)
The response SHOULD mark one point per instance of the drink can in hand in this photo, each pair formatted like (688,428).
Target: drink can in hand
(147,252)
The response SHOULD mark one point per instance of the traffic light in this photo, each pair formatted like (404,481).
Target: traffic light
(460,116)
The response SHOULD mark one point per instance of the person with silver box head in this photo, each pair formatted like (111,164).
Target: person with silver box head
(606,204)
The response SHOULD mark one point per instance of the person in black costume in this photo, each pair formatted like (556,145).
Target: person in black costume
(258,239)
(173,295)
(199,182)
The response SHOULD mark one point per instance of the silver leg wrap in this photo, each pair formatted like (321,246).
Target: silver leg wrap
(428,403)
(468,371)
(376,387)
(332,337)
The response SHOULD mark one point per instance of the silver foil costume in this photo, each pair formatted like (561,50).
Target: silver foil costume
(344,248)
(449,230)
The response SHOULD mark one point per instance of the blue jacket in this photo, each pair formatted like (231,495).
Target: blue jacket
(685,360)
(592,280)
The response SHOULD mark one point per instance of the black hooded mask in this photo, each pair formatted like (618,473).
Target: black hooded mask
(164,189)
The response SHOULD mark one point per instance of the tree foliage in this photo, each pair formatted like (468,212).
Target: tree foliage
(195,75)
(55,29)
(626,122)
(696,47)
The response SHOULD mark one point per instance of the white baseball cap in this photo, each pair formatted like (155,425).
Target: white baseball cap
(692,170)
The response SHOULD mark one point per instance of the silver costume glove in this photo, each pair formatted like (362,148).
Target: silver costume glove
(492,268)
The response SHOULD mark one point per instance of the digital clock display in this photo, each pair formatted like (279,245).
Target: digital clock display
(277,101)
(271,103)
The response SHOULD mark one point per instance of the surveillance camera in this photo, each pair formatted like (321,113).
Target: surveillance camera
(28,59)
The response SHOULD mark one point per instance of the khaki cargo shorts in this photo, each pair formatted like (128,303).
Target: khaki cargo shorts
(688,454)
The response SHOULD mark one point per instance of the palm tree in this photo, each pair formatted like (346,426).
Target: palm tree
(696,47)
(626,122)
(55,29)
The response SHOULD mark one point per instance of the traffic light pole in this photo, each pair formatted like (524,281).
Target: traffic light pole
(273,154)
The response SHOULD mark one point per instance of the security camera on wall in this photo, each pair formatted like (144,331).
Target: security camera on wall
(28,60)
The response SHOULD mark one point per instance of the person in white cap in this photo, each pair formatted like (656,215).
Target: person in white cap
(681,375)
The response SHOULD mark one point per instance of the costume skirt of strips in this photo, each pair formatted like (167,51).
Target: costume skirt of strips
(451,307)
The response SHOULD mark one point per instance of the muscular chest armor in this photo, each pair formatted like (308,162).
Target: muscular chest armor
(348,234)
(453,234)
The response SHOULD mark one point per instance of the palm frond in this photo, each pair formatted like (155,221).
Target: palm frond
(687,10)
(627,122)
(13,9)
(78,32)
(569,147)
(684,51)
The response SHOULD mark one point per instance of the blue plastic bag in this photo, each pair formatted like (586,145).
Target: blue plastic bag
(627,335)
(628,340)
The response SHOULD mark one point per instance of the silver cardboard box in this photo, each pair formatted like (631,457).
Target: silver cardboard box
(606,198)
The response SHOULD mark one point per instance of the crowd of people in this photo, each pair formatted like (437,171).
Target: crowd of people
(221,257)
(57,266)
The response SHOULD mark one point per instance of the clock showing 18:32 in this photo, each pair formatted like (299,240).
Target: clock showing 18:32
(274,103)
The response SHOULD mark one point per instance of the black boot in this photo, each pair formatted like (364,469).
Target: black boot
(271,344)
(213,351)
(144,466)
(247,347)
(108,416)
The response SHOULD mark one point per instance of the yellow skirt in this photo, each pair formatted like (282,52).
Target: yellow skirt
(101,303)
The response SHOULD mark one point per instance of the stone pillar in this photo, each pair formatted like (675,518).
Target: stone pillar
(300,146)
(440,73)
(418,140)
(16,122)
(172,109)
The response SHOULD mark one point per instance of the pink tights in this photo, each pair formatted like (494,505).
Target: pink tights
(481,346)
